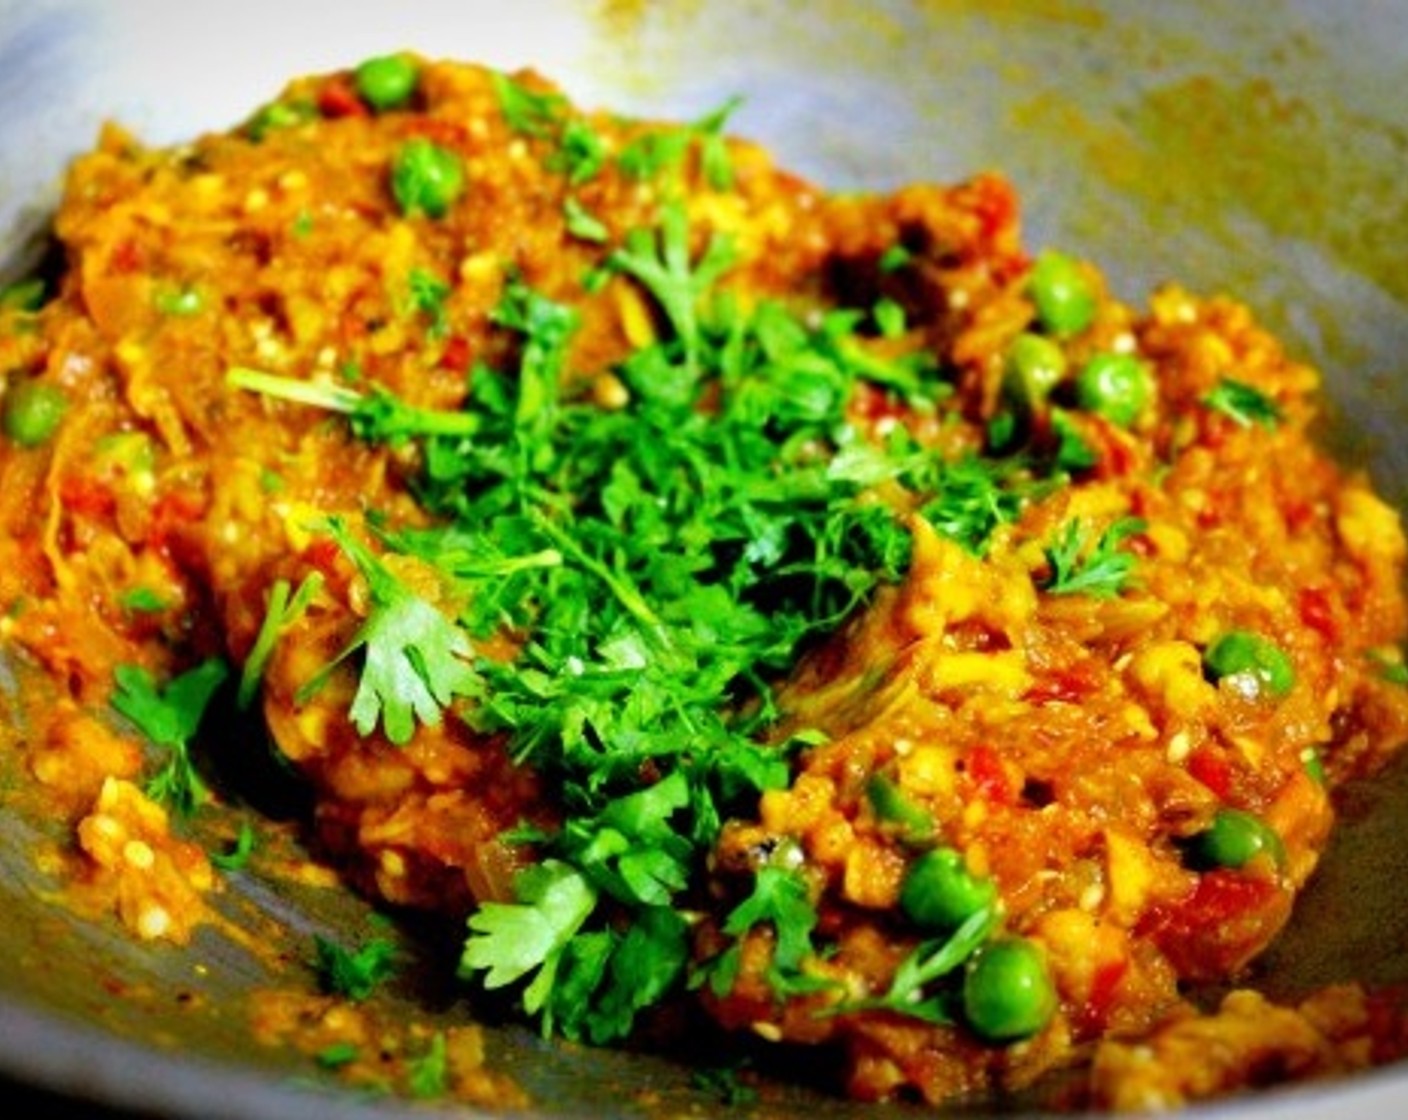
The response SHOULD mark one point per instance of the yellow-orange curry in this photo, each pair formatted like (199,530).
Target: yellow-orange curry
(1097,628)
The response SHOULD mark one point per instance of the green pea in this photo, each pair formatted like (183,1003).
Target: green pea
(1065,302)
(1251,663)
(1235,838)
(279,115)
(1314,766)
(33,411)
(1008,993)
(387,82)
(1115,386)
(23,295)
(179,302)
(939,892)
(426,178)
(890,804)
(1035,365)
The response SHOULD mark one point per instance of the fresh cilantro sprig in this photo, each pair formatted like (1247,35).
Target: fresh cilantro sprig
(915,990)
(377,416)
(972,499)
(428,1073)
(428,295)
(660,260)
(1243,403)
(582,224)
(416,660)
(529,111)
(546,328)
(531,937)
(354,973)
(170,716)
(726,1085)
(659,151)
(780,900)
(238,856)
(283,609)
(1102,570)
(580,152)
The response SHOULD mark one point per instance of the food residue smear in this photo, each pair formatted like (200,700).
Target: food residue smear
(814,615)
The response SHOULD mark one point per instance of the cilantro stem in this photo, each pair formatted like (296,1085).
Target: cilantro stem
(374,416)
(284,608)
(625,593)
(333,398)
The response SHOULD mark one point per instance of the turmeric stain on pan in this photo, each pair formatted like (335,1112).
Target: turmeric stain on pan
(1213,153)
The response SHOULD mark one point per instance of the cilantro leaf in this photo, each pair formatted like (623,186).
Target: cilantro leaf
(143,600)
(971,501)
(1102,571)
(582,224)
(428,294)
(910,992)
(237,858)
(660,261)
(653,152)
(631,850)
(428,1075)
(644,966)
(895,258)
(713,147)
(509,941)
(1246,404)
(780,898)
(546,327)
(656,151)
(581,152)
(337,1055)
(415,659)
(354,974)
(170,717)
(531,112)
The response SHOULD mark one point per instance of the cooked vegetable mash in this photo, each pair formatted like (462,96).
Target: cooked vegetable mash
(815,611)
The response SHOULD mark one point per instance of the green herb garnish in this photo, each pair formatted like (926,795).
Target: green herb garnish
(415,659)
(237,858)
(1102,571)
(428,294)
(660,151)
(428,1075)
(1244,403)
(170,717)
(915,990)
(377,415)
(531,112)
(142,600)
(282,611)
(354,973)
(581,224)
(660,564)
(337,1055)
